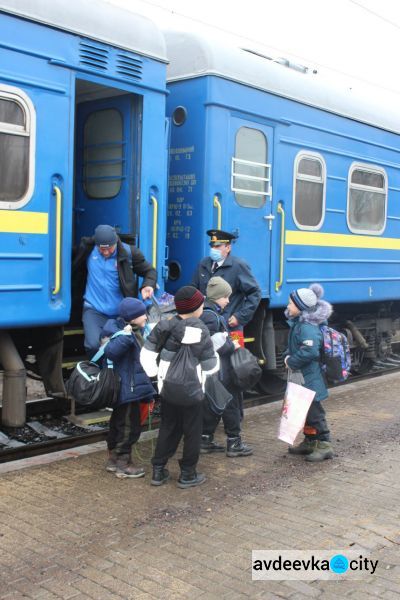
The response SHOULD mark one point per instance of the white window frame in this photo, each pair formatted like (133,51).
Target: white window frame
(28,130)
(371,169)
(297,176)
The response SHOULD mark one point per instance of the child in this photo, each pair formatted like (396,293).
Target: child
(176,421)
(218,292)
(306,312)
(124,351)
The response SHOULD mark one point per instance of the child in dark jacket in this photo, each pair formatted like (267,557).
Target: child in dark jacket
(124,351)
(306,312)
(218,292)
(159,350)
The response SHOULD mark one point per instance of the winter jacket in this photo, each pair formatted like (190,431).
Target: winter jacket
(304,347)
(246,293)
(223,344)
(166,339)
(130,263)
(124,351)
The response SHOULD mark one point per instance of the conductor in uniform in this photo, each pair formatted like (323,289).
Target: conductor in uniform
(243,303)
(246,293)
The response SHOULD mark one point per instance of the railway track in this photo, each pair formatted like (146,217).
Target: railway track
(58,442)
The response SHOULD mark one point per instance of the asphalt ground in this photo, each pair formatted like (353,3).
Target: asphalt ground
(69,529)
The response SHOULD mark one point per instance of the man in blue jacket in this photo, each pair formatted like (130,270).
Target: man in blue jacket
(246,293)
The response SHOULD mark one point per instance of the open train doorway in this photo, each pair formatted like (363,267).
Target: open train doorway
(107,159)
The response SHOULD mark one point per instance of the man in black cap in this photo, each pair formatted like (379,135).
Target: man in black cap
(246,293)
(103,274)
(243,303)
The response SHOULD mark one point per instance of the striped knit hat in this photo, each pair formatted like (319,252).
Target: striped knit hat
(304,298)
(188,299)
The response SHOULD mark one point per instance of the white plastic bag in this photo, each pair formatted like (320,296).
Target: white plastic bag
(295,407)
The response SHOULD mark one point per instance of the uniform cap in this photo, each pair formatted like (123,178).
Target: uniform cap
(217,236)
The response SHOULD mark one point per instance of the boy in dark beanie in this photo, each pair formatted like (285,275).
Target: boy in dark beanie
(124,351)
(217,299)
(163,343)
(306,312)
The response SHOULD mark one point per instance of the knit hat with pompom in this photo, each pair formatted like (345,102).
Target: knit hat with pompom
(307,298)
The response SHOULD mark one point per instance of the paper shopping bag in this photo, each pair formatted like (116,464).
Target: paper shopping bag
(295,407)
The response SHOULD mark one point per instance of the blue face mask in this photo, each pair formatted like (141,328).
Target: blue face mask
(215,254)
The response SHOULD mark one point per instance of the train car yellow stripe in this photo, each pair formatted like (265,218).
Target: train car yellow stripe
(16,221)
(340,240)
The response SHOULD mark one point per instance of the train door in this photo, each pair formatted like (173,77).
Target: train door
(250,212)
(107,165)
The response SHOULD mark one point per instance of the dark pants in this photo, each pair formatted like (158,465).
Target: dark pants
(316,427)
(93,323)
(231,416)
(124,428)
(178,421)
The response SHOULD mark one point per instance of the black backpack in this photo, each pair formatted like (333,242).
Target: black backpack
(246,371)
(93,386)
(181,385)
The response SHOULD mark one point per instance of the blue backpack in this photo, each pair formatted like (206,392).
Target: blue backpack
(335,355)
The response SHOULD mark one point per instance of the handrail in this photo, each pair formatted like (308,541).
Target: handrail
(279,283)
(153,199)
(217,205)
(57,282)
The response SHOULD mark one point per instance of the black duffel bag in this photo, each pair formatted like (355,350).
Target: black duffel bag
(217,396)
(92,386)
(246,371)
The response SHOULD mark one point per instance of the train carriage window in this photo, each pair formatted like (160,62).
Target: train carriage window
(367,199)
(103,160)
(16,141)
(309,191)
(250,172)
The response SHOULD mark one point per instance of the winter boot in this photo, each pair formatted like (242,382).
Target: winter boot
(111,464)
(160,475)
(189,478)
(235,447)
(322,451)
(208,445)
(307,446)
(126,469)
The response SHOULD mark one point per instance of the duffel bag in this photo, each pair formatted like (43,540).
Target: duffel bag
(92,386)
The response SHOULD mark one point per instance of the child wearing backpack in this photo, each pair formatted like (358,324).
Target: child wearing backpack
(306,312)
(124,351)
(217,298)
(182,346)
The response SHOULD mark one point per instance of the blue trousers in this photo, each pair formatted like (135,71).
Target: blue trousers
(93,323)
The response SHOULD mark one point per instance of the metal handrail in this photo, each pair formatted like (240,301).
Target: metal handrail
(153,199)
(217,205)
(57,283)
(279,283)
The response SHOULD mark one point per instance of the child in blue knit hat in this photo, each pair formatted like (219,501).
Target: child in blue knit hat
(306,312)
(124,351)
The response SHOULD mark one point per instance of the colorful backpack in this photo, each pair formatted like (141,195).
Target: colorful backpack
(335,355)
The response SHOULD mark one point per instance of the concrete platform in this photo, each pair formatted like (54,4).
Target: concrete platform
(70,530)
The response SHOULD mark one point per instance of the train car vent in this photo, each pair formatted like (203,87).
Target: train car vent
(129,66)
(94,56)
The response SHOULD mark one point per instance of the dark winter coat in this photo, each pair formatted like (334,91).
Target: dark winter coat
(305,345)
(246,293)
(129,265)
(166,339)
(216,323)
(124,351)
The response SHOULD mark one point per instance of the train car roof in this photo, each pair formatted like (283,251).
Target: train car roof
(95,19)
(193,56)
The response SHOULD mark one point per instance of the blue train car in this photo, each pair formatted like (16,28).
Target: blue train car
(306,172)
(82,142)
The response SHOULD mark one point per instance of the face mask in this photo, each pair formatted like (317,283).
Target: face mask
(215,254)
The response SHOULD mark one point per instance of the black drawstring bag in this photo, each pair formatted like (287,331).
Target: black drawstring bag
(181,385)
(217,395)
(246,370)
